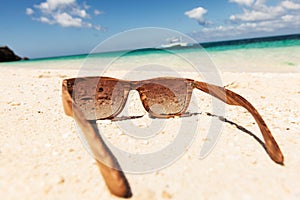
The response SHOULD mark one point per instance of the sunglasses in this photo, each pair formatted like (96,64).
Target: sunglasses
(88,99)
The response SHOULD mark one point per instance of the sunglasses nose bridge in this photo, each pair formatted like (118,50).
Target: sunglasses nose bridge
(132,101)
(134,85)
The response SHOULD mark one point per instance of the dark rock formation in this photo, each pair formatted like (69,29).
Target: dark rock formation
(6,55)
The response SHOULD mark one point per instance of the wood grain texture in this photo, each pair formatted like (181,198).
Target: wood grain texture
(232,98)
(106,161)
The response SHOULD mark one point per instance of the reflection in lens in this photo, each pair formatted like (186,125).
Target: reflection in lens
(164,97)
(109,98)
(99,98)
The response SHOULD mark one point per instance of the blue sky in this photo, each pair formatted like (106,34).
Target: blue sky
(46,28)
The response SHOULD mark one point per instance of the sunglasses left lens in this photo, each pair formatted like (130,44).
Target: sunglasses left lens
(99,98)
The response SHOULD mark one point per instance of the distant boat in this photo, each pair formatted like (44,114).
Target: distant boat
(174,42)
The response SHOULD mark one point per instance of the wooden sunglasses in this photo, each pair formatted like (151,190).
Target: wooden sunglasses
(87,99)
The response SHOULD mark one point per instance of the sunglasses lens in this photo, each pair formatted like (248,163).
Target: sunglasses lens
(99,98)
(165,97)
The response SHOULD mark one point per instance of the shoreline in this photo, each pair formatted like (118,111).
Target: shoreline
(283,59)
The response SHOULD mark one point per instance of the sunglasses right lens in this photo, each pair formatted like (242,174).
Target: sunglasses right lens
(164,97)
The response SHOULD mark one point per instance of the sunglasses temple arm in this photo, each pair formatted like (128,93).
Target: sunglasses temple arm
(106,161)
(232,98)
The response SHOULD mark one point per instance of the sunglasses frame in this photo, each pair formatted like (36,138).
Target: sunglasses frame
(138,85)
(115,179)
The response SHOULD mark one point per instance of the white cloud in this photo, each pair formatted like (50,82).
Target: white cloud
(243,2)
(290,5)
(97,12)
(45,20)
(97,27)
(65,13)
(260,11)
(29,11)
(259,3)
(257,16)
(287,18)
(51,5)
(197,14)
(264,13)
(66,20)
(80,12)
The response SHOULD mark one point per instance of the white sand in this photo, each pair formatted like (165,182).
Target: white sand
(41,156)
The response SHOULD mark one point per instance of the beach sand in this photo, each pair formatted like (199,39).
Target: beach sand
(42,157)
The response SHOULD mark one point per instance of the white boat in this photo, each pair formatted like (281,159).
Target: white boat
(174,42)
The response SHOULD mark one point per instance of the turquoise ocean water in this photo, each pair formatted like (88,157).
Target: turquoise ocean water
(255,43)
(245,54)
